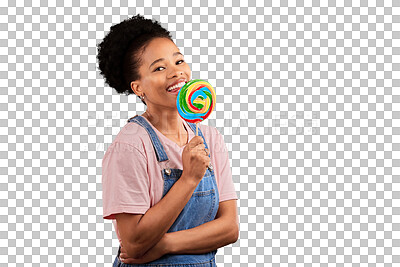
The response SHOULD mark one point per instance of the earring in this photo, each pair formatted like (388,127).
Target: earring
(141,97)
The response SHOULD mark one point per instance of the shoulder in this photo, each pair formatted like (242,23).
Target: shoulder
(131,138)
(132,133)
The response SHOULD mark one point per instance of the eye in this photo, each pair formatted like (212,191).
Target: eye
(158,69)
(180,61)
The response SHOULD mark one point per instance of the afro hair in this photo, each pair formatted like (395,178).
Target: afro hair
(119,52)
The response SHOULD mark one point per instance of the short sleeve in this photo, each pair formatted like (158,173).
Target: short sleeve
(125,181)
(226,187)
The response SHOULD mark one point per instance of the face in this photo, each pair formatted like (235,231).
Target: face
(162,66)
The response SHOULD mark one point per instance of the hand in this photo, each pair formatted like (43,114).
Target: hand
(156,252)
(195,159)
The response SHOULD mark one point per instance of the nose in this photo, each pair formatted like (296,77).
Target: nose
(176,71)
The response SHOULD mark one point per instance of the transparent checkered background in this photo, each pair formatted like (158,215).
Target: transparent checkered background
(308,101)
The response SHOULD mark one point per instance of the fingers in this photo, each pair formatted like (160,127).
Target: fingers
(196,141)
(122,255)
(205,152)
(198,145)
(202,150)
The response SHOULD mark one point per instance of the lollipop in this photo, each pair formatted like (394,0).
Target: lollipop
(196,101)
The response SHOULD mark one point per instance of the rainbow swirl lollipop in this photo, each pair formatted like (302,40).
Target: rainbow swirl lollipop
(196,101)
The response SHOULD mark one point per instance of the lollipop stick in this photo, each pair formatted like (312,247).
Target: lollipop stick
(197,125)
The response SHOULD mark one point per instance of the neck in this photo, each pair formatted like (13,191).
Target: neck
(166,121)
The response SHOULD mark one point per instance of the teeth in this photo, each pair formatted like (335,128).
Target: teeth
(179,85)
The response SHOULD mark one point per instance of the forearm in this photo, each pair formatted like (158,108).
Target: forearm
(203,238)
(158,219)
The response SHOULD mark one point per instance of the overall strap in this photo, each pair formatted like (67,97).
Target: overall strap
(158,147)
(193,126)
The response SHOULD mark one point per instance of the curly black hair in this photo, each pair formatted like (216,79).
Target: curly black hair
(119,52)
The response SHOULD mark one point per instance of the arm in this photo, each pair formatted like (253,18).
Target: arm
(153,225)
(139,234)
(221,231)
(201,239)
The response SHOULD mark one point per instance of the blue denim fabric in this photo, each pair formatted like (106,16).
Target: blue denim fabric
(202,207)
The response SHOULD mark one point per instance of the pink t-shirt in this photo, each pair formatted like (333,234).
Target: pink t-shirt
(131,175)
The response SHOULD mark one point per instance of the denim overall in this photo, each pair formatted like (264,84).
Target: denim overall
(202,207)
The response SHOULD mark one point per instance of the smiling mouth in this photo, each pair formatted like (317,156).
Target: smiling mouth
(176,87)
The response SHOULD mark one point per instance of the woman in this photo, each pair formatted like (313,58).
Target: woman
(169,193)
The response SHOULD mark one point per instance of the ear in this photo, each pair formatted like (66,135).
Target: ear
(136,88)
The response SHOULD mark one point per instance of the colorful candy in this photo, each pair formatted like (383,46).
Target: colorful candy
(196,101)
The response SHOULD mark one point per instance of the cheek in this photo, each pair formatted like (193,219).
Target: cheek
(188,70)
(152,81)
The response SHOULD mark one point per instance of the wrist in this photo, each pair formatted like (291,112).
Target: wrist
(188,181)
(167,243)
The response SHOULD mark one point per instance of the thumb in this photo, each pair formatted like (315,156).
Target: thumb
(195,141)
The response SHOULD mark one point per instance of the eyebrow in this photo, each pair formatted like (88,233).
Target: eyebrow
(161,59)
